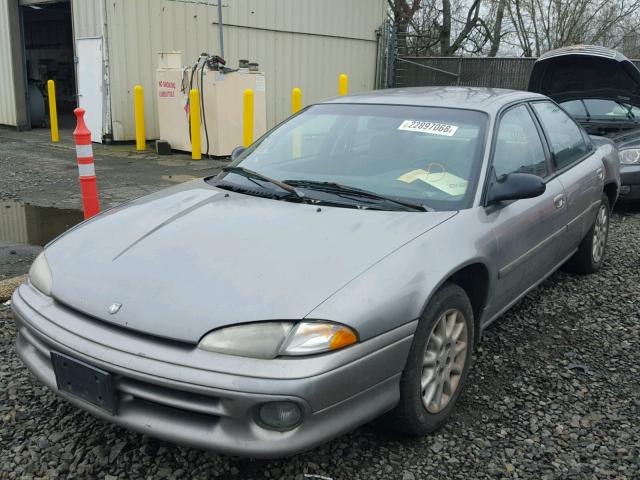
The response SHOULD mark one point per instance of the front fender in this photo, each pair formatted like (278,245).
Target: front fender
(610,156)
(397,289)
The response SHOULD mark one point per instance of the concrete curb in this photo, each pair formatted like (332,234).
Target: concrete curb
(9,285)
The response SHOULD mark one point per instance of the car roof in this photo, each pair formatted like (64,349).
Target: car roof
(485,99)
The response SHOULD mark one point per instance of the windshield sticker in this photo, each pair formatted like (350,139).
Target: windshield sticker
(444,181)
(428,127)
(412,176)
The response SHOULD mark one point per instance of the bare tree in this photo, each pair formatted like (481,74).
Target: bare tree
(471,23)
(541,25)
(403,13)
(496,31)
(441,27)
(517,27)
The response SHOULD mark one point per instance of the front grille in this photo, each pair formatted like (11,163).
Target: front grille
(129,331)
(169,397)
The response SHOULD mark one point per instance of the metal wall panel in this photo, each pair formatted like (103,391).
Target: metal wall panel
(87,18)
(305,44)
(13,223)
(7,88)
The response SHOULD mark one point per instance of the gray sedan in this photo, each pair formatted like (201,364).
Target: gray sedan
(341,268)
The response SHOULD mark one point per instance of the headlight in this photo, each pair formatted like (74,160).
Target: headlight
(315,337)
(630,157)
(258,340)
(40,274)
(270,339)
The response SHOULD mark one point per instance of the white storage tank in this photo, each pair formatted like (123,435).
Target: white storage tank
(221,97)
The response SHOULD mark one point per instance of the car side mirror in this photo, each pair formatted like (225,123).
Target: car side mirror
(516,186)
(236,152)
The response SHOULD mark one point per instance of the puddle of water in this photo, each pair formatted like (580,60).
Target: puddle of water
(26,224)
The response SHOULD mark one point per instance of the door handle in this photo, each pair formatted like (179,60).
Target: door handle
(600,173)
(558,201)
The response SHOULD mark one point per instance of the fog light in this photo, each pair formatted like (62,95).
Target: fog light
(280,415)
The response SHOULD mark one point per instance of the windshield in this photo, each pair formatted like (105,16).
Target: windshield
(601,109)
(429,156)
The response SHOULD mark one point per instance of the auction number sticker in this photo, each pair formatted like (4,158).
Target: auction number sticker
(428,127)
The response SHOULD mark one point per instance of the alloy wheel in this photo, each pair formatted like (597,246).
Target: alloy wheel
(600,234)
(444,360)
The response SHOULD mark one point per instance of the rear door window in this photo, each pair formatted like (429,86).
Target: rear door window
(518,146)
(567,142)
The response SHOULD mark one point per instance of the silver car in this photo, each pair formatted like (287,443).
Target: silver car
(341,268)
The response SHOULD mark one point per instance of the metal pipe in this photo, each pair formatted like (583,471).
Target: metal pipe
(220,24)
(404,60)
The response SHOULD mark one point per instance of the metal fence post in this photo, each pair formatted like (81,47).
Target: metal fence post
(391,57)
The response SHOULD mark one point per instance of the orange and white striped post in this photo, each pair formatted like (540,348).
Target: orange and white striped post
(86,169)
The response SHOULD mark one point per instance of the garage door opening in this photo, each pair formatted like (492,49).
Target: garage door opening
(48,50)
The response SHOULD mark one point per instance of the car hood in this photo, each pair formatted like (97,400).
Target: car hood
(194,258)
(626,139)
(584,71)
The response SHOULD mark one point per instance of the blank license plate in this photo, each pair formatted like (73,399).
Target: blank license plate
(84,381)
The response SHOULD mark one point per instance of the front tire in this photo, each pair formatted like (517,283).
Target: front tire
(590,255)
(437,365)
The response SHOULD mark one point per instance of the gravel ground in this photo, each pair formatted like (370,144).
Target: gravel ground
(554,393)
(16,259)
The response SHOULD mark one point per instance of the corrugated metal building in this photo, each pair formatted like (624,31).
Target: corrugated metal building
(11,86)
(304,43)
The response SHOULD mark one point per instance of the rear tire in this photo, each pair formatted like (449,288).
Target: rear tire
(437,365)
(591,252)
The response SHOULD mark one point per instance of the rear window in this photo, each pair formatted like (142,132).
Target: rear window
(574,108)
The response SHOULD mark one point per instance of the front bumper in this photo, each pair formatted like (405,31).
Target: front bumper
(175,392)
(630,180)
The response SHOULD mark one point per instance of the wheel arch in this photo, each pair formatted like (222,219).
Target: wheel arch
(474,279)
(611,191)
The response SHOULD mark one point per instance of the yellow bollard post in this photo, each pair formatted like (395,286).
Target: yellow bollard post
(296,100)
(247,132)
(138,107)
(194,112)
(343,84)
(296,105)
(53,111)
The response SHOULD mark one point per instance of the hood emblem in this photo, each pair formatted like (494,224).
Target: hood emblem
(114,308)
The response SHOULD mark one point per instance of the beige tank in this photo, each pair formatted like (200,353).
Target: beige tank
(222,101)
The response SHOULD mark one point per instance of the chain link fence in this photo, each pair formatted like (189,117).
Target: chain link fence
(468,71)
(408,64)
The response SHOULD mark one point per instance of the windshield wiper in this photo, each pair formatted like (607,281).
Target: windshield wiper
(630,114)
(251,174)
(344,190)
